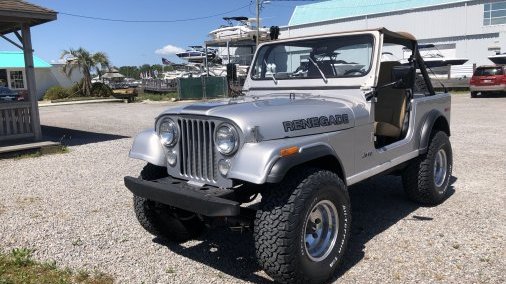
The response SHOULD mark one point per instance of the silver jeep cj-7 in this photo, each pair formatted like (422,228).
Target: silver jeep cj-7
(317,114)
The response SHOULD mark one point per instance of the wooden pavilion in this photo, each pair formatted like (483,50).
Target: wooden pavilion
(20,119)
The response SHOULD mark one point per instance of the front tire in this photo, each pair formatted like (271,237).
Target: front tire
(426,178)
(162,220)
(474,94)
(303,226)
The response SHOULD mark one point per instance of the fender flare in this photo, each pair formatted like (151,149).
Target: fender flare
(284,164)
(428,125)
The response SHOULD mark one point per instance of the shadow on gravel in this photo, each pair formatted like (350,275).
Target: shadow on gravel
(230,252)
(377,204)
(73,137)
(492,95)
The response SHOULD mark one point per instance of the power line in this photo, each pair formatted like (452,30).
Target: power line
(153,21)
(340,7)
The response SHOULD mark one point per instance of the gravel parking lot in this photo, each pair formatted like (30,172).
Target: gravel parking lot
(74,209)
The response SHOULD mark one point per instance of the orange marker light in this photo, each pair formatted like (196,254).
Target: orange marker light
(289,151)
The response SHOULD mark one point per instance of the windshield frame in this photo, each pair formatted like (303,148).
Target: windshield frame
(272,45)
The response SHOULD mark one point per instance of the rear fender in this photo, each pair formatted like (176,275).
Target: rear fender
(428,126)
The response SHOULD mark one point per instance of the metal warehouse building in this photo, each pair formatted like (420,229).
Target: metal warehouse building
(462,29)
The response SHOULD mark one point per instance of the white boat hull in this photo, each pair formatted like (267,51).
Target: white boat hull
(439,62)
(498,59)
(237,32)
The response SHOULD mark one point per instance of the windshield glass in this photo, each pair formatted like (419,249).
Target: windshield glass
(335,57)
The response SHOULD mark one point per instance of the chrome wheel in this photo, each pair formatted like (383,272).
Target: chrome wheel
(440,168)
(321,230)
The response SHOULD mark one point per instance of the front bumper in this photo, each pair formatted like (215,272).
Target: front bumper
(207,201)
(490,88)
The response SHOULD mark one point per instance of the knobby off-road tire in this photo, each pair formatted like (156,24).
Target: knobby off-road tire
(426,178)
(162,220)
(281,226)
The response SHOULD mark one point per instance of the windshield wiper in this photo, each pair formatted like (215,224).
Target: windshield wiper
(320,70)
(272,74)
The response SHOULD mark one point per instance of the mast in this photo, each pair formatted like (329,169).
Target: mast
(258,22)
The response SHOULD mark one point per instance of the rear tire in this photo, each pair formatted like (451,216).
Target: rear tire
(474,94)
(427,177)
(303,226)
(162,220)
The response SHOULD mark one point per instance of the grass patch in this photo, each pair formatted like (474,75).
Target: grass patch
(157,97)
(28,155)
(35,153)
(75,99)
(19,267)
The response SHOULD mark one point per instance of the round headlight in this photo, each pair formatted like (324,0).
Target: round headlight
(226,139)
(168,132)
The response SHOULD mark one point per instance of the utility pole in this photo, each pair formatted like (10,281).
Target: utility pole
(258,22)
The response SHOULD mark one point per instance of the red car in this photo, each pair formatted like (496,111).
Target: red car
(488,79)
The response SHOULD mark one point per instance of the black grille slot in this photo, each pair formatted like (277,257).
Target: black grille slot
(196,149)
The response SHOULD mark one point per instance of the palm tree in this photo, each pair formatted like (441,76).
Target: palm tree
(85,61)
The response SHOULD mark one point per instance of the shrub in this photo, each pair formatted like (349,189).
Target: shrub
(77,90)
(56,93)
(100,90)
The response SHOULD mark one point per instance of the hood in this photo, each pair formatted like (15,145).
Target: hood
(279,116)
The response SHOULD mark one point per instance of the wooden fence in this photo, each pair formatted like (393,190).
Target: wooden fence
(15,121)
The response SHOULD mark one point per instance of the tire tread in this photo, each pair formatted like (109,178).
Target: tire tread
(277,221)
(418,178)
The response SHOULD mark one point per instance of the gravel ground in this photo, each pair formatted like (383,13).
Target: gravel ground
(74,209)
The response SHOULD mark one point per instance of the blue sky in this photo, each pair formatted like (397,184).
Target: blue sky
(135,43)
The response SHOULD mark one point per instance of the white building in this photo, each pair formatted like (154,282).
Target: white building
(12,73)
(463,29)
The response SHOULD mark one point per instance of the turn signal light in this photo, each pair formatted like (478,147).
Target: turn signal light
(289,151)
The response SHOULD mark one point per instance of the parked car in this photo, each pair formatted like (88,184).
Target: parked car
(7,94)
(488,79)
(307,126)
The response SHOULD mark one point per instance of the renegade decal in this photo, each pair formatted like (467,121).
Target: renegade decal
(312,122)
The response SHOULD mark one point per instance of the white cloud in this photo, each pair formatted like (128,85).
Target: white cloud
(169,49)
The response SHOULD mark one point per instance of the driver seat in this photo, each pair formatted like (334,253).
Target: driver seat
(390,108)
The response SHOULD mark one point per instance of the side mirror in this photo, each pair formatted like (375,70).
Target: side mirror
(403,76)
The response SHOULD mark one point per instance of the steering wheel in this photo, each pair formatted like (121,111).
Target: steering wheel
(354,71)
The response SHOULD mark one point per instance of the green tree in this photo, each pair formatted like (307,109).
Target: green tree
(130,71)
(145,68)
(85,61)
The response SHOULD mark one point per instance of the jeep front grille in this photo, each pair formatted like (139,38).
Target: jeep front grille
(196,149)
